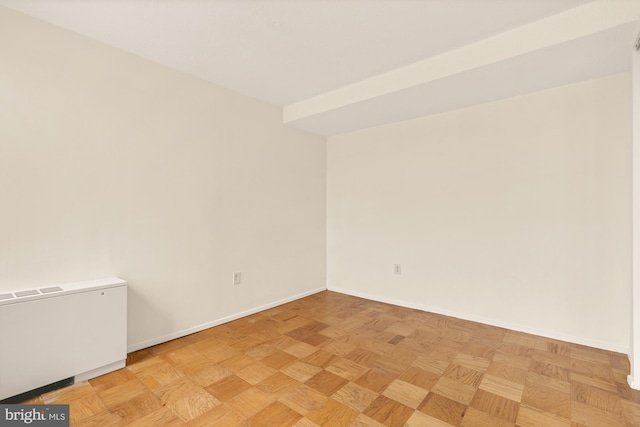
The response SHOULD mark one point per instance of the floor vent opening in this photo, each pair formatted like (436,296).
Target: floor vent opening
(31,394)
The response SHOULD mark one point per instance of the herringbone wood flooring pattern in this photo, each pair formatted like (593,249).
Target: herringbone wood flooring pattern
(336,360)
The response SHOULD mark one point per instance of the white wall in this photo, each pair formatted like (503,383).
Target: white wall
(634,355)
(514,213)
(113,165)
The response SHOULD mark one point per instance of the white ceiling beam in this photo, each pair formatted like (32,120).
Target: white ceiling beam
(575,23)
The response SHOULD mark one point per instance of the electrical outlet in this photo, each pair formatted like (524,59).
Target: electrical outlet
(397,269)
(237,278)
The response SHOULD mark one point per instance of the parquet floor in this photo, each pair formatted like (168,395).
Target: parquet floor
(336,360)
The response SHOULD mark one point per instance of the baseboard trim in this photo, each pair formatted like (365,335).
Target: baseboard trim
(493,322)
(632,383)
(202,327)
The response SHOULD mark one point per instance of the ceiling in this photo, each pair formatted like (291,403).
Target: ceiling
(335,66)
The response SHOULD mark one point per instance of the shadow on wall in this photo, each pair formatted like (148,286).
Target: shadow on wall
(142,311)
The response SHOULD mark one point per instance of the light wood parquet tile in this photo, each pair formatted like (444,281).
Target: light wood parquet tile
(347,369)
(405,393)
(85,407)
(550,369)
(551,346)
(515,361)
(193,405)
(354,396)
(522,339)
(326,383)
(265,349)
(601,383)
(303,399)
(122,392)
(209,374)
(547,400)
(158,377)
(181,355)
(589,354)
(444,353)
(255,373)
(391,365)
(375,380)
(530,417)
(214,350)
(336,360)
(404,329)
(594,397)
(558,360)
(454,390)
(107,419)
(245,343)
(111,379)
(501,387)
(332,413)
(631,412)
(364,421)
(235,363)
(476,418)
(420,419)
(388,411)
(444,409)
(137,407)
(278,359)
(592,416)
(419,377)
(275,415)
(301,371)
(463,375)
(363,357)
(305,422)
(301,349)
(320,359)
(221,415)
(495,405)
(475,363)
(479,348)
(178,389)
(431,365)
(539,380)
(160,417)
(278,384)
(250,402)
(227,388)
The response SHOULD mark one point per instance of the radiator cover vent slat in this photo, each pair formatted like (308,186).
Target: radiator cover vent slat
(29,293)
(51,289)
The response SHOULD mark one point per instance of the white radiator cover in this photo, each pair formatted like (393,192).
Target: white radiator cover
(73,330)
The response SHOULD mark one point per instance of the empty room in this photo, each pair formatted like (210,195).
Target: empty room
(320,213)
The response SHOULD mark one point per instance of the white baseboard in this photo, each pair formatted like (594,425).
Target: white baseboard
(632,383)
(487,321)
(193,330)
